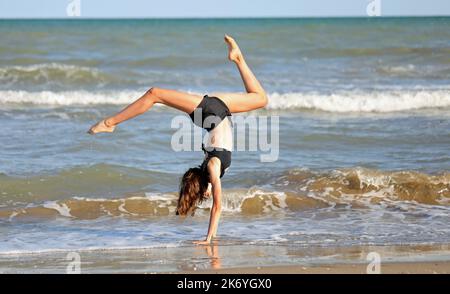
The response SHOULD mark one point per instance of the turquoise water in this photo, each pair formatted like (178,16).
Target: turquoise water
(364,107)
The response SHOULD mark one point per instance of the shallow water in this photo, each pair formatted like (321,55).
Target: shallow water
(363,106)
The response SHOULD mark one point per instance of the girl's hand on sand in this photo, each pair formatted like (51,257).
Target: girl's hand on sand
(202,242)
(101,127)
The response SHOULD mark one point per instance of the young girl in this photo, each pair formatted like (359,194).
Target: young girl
(210,113)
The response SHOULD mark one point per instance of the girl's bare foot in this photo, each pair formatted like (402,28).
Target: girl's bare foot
(101,127)
(234,53)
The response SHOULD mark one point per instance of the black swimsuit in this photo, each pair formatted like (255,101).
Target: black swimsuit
(223,155)
(208,114)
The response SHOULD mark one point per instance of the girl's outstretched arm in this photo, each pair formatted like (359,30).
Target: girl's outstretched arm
(214,175)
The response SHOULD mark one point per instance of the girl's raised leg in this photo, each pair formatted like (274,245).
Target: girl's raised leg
(256,96)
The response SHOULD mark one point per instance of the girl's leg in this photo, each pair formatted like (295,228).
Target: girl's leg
(178,100)
(255,97)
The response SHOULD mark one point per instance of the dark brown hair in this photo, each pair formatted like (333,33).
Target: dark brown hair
(193,186)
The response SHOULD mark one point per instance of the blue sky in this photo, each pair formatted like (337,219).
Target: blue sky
(216,8)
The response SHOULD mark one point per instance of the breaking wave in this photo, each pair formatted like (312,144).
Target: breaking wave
(52,74)
(293,191)
(351,101)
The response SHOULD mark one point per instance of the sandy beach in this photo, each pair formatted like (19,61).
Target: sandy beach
(236,259)
(388,268)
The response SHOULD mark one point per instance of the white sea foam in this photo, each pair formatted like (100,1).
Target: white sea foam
(68,97)
(349,101)
(61,208)
(355,101)
(233,200)
(398,70)
(88,249)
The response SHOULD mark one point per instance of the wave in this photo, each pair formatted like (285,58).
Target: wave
(292,191)
(67,98)
(357,101)
(413,71)
(369,52)
(368,186)
(409,69)
(349,101)
(250,202)
(97,179)
(52,74)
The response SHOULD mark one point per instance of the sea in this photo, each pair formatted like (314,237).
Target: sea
(362,107)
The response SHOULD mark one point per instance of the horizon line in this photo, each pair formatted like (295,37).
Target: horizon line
(215,17)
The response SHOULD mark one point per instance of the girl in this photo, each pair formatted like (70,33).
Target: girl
(209,112)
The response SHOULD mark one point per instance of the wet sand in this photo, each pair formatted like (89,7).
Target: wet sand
(237,259)
(388,268)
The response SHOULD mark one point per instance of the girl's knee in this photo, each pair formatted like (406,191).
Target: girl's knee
(261,99)
(151,91)
(264,99)
(152,94)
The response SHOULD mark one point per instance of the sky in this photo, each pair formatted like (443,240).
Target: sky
(217,8)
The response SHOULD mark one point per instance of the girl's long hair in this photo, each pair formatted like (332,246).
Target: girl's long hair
(193,186)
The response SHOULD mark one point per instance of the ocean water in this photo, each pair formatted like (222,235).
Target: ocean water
(364,117)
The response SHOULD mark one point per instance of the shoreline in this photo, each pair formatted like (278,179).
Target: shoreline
(239,259)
